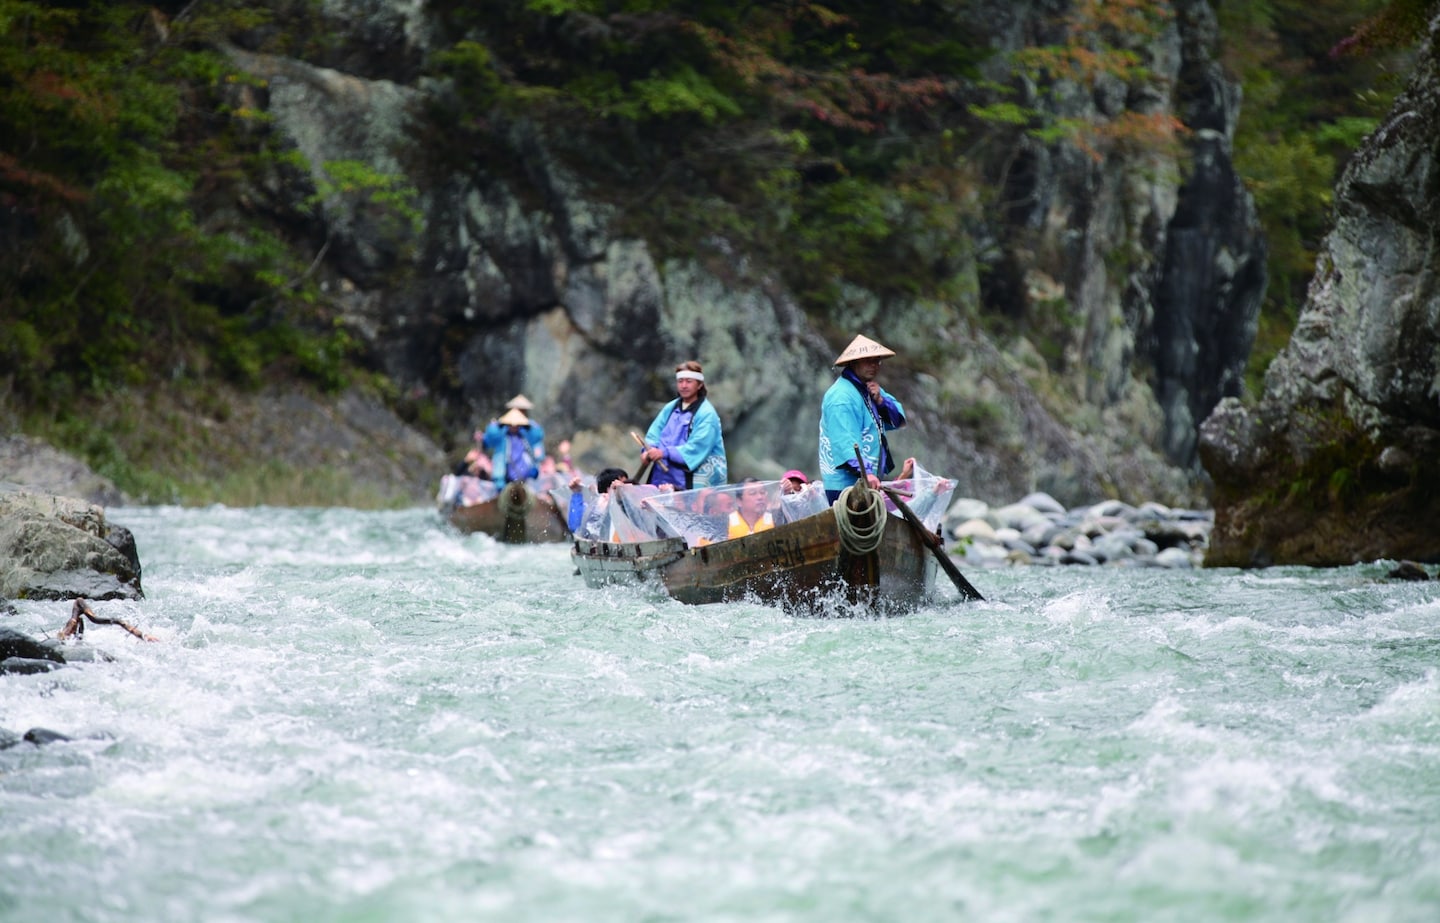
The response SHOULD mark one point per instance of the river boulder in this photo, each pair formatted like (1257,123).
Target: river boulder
(58,548)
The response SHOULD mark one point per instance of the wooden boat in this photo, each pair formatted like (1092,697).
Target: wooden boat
(604,563)
(800,565)
(516,515)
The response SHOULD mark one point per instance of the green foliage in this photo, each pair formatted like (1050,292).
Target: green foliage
(683,92)
(1103,42)
(1342,486)
(1346,133)
(361,183)
(1004,113)
(561,7)
(803,130)
(1339,467)
(471,70)
(1292,184)
(1399,23)
(117,123)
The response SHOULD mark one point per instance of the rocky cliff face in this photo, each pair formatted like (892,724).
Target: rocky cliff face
(1338,463)
(1132,279)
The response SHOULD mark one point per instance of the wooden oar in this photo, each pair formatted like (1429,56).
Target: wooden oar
(935,544)
(864,483)
(641,442)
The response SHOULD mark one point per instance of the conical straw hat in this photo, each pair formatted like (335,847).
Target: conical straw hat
(515,417)
(520,402)
(863,347)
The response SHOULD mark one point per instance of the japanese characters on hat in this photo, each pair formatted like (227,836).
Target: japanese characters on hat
(515,417)
(520,402)
(862,347)
(796,475)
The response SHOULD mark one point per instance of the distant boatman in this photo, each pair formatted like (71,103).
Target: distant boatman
(522,403)
(857,410)
(516,445)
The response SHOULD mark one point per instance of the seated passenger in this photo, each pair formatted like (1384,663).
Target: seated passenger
(902,485)
(464,490)
(716,505)
(475,464)
(754,514)
(589,518)
(476,490)
(800,497)
(563,463)
(719,503)
(793,482)
(550,476)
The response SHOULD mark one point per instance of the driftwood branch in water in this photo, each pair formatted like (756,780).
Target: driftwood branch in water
(81,611)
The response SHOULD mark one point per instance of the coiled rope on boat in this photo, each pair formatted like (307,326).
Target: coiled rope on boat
(515,500)
(861,529)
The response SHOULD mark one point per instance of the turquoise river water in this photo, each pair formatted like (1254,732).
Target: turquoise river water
(357,716)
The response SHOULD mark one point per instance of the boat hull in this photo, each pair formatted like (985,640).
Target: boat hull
(800,566)
(518,515)
(605,563)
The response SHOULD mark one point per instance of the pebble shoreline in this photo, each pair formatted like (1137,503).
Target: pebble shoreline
(1039,530)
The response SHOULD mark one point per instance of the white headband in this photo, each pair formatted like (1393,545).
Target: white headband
(686,373)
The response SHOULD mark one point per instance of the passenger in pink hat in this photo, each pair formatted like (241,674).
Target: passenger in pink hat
(793,481)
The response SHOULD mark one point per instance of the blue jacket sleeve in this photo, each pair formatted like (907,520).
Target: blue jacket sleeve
(892,412)
(657,426)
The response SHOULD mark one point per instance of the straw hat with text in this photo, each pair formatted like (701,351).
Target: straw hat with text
(862,347)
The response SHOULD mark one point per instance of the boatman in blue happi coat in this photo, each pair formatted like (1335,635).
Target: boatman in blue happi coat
(857,410)
(515,446)
(534,433)
(685,443)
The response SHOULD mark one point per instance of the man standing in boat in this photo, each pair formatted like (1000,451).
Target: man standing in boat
(685,443)
(856,410)
(534,432)
(516,446)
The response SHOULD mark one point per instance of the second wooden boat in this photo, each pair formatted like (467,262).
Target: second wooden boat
(516,515)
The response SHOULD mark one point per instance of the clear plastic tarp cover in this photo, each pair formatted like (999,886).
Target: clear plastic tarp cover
(465,490)
(928,496)
(468,490)
(640,512)
(561,495)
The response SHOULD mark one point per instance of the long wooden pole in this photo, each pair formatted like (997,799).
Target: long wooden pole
(641,442)
(934,543)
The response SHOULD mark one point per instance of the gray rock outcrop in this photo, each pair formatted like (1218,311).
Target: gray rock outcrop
(39,466)
(1339,461)
(63,548)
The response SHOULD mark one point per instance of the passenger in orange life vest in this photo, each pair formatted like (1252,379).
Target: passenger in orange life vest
(752,516)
